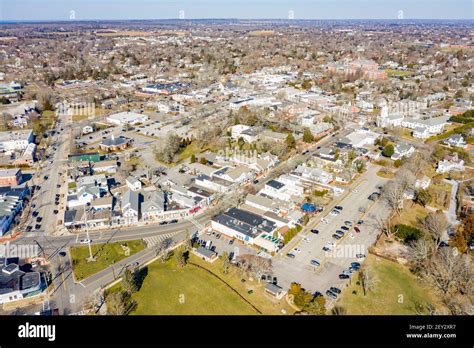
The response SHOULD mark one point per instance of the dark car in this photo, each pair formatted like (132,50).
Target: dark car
(37,226)
(231,242)
(290,255)
(343,276)
(163,222)
(355,264)
(55,211)
(360,222)
(35,214)
(338,207)
(357,229)
(58,185)
(315,231)
(331,294)
(345,228)
(62,253)
(45,177)
(28,228)
(335,290)
(39,218)
(336,236)
(173,221)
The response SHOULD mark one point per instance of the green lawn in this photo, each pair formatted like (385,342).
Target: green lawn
(106,255)
(170,290)
(397,291)
(189,151)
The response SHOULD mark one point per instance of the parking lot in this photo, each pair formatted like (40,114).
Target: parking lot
(220,244)
(309,246)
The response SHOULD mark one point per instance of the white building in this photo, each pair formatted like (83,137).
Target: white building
(402,150)
(16,140)
(133,183)
(123,118)
(450,163)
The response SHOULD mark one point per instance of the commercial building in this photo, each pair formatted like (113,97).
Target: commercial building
(10,177)
(16,284)
(16,140)
(123,118)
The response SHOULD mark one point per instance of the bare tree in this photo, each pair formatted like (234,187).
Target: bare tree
(255,265)
(435,224)
(441,270)
(421,251)
(367,281)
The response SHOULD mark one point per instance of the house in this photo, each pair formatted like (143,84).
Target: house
(402,150)
(275,290)
(130,207)
(313,174)
(124,118)
(154,205)
(205,254)
(270,135)
(423,183)
(449,163)
(213,183)
(133,183)
(456,140)
(10,177)
(115,144)
(235,175)
(108,167)
(16,284)
(421,133)
(102,203)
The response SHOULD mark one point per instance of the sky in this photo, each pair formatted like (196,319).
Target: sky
(244,9)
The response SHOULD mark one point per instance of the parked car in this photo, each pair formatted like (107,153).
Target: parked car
(335,290)
(173,221)
(315,263)
(345,228)
(336,236)
(37,226)
(28,228)
(315,231)
(360,256)
(55,211)
(290,255)
(357,229)
(85,241)
(331,294)
(338,207)
(231,242)
(296,250)
(343,276)
(347,223)
(360,222)
(62,253)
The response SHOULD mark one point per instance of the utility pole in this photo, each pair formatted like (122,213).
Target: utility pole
(90,258)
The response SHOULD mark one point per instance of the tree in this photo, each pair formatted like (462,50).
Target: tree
(435,224)
(316,307)
(225,262)
(422,197)
(308,136)
(119,303)
(367,281)
(203,160)
(193,158)
(180,256)
(421,251)
(290,141)
(464,235)
(129,282)
(338,310)
(388,150)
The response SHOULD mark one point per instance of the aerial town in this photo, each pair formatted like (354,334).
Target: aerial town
(236,167)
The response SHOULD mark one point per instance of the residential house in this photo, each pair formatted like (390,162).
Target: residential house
(130,207)
(449,163)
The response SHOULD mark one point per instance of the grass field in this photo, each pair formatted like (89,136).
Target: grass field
(169,290)
(191,290)
(398,73)
(106,255)
(397,291)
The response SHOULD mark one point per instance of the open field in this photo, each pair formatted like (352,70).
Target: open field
(397,292)
(192,290)
(106,255)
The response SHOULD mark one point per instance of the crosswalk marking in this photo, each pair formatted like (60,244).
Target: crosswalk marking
(152,241)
